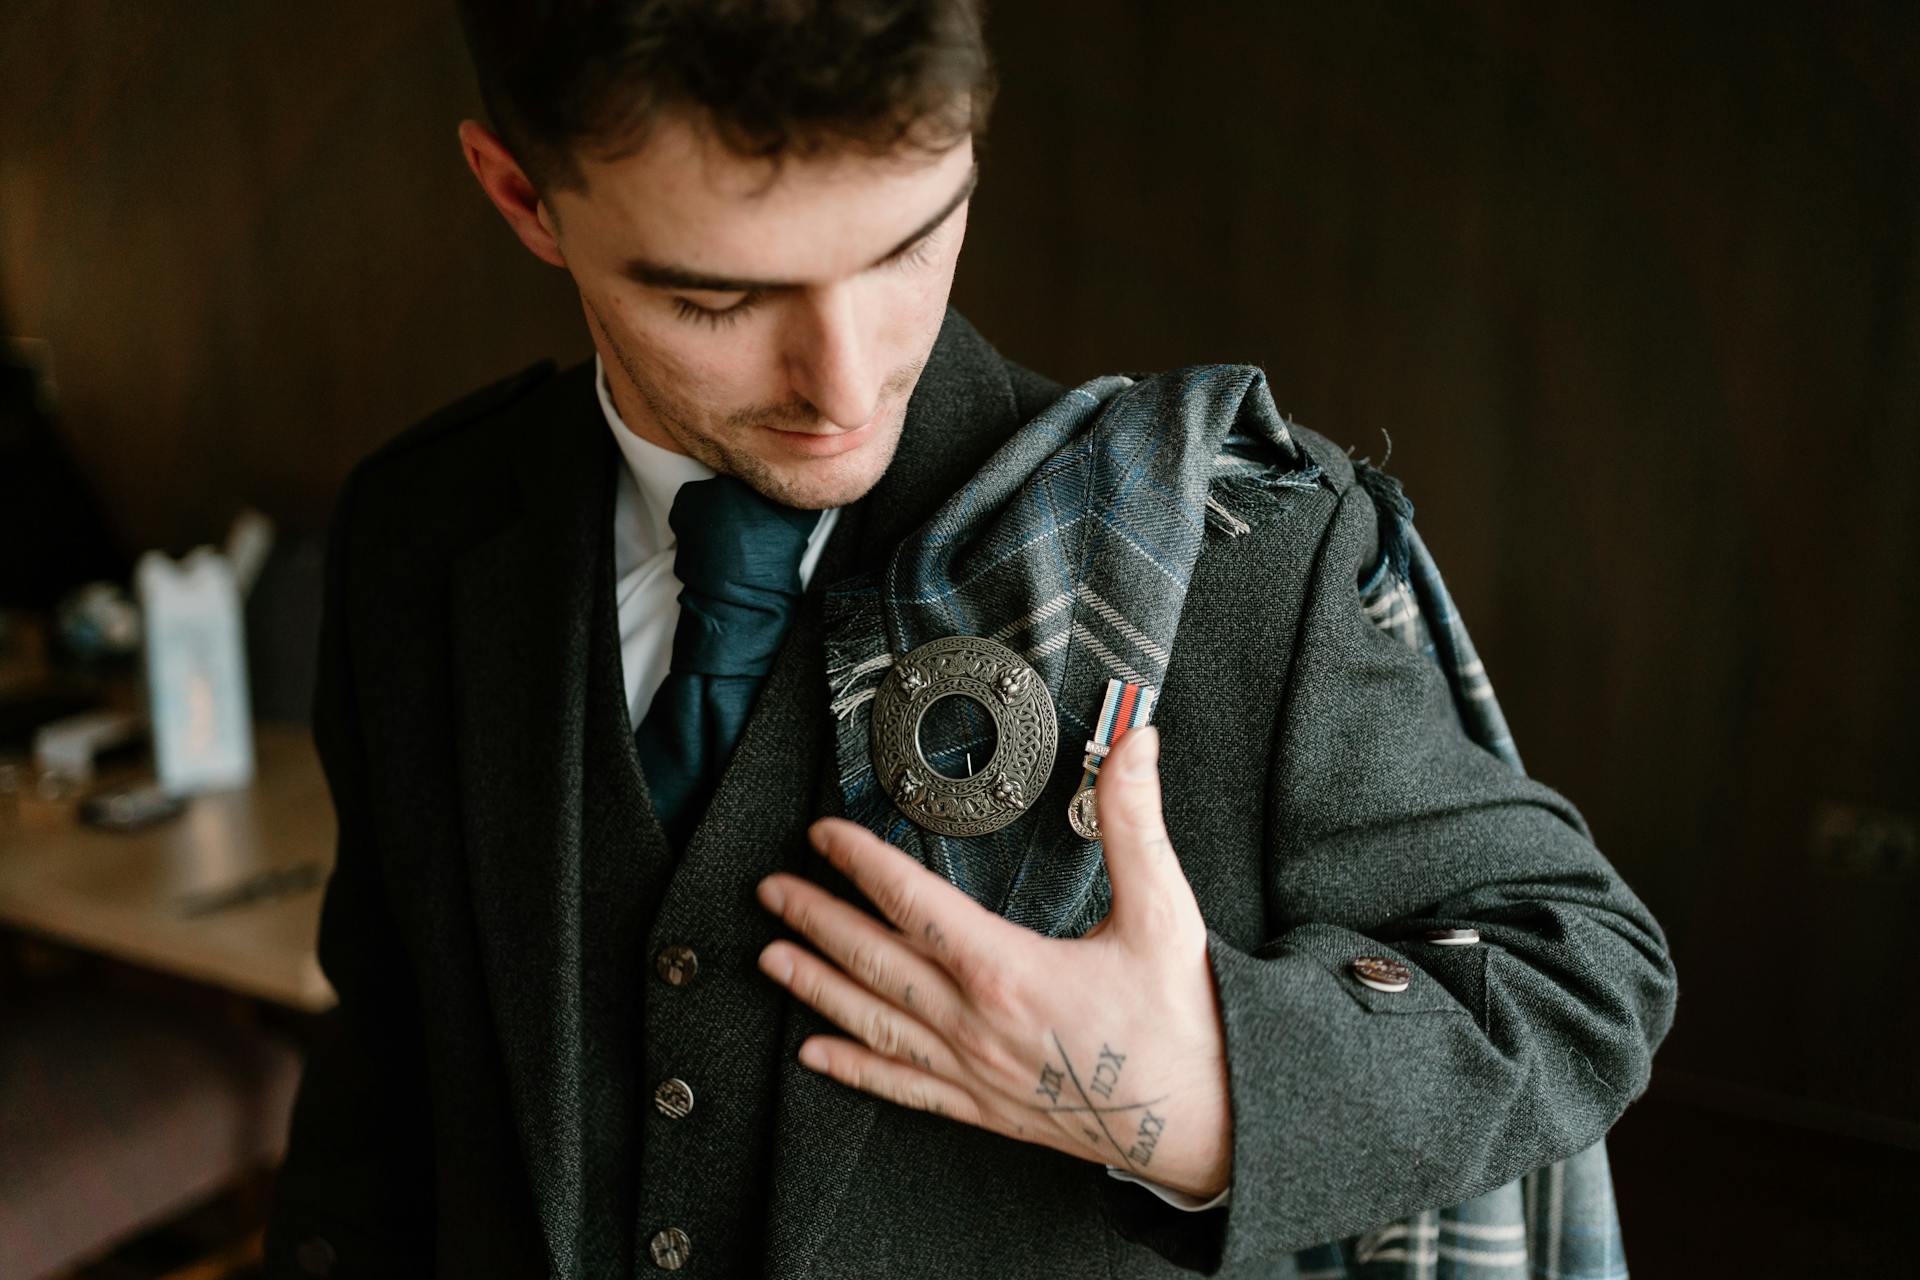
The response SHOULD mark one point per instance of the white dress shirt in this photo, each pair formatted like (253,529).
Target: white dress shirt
(649,597)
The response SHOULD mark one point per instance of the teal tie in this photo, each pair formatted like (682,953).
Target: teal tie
(738,562)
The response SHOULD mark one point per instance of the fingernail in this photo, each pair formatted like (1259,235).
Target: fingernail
(770,894)
(777,964)
(1139,762)
(813,1056)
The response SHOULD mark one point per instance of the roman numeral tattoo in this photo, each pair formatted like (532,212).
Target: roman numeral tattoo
(1103,1080)
(1143,1143)
(1106,1072)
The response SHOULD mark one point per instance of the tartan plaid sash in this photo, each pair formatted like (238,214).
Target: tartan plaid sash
(1074,545)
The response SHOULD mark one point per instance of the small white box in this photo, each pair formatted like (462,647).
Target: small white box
(196,671)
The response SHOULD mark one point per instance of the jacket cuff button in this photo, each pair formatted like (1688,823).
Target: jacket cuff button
(1382,973)
(1452,937)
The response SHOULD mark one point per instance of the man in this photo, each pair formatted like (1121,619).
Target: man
(574,1036)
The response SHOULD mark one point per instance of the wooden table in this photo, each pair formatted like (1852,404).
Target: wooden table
(123,894)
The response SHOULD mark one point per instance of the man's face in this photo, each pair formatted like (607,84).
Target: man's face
(771,324)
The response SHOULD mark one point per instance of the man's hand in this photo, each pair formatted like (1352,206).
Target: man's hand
(1108,1047)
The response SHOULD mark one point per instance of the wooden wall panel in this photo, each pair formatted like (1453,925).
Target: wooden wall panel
(248,233)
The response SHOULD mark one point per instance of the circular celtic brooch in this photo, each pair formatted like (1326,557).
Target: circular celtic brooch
(1026,735)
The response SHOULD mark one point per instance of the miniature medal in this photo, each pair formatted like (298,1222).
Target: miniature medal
(1126,706)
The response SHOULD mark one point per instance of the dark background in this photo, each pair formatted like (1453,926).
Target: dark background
(1632,288)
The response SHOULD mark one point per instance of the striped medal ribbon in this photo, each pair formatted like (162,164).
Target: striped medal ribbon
(1125,706)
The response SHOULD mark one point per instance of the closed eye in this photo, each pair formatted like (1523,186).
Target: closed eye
(906,258)
(914,255)
(718,317)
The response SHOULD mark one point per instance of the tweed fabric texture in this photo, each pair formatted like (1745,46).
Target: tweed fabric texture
(1560,1221)
(1073,545)
(1077,540)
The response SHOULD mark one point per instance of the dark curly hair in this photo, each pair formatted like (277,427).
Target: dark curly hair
(770,77)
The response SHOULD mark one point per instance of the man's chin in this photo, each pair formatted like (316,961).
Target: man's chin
(814,484)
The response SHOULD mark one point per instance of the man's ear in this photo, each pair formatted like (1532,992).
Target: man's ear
(511,191)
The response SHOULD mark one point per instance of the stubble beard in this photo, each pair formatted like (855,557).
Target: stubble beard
(808,484)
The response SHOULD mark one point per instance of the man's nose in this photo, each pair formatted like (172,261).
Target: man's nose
(834,362)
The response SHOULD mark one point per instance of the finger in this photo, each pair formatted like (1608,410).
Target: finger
(1150,891)
(881,1025)
(866,950)
(861,1068)
(939,920)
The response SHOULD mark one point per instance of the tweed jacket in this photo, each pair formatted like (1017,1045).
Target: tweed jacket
(1322,797)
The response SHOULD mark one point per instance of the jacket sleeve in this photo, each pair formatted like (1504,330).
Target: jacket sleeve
(1354,1107)
(354,1196)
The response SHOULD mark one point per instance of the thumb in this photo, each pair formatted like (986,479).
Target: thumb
(1146,877)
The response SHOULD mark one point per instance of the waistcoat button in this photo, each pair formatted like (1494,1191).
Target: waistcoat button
(670,1249)
(674,1098)
(676,965)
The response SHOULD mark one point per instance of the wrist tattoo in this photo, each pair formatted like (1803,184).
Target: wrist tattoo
(1102,1081)
(1050,1081)
(1106,1072)
(1143,1143)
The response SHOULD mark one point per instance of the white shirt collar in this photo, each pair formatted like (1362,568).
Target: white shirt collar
(658,472)
(644,500)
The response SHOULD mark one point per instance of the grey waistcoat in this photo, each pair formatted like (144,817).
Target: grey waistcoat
(717,1033)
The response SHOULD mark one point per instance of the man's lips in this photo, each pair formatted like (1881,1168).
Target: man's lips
(824,444)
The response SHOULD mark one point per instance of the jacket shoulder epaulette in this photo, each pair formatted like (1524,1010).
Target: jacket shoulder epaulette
(469,408)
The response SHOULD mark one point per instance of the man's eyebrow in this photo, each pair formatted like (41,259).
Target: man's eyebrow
(666,276)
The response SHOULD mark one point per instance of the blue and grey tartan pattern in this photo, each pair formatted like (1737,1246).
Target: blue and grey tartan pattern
(1074,545)
(1556,1223)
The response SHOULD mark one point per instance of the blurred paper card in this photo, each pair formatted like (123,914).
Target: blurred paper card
(196,671)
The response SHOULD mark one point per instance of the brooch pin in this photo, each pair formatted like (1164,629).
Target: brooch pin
(1126,706)
(1026,732)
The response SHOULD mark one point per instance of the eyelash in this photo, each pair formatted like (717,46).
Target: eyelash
(726,317)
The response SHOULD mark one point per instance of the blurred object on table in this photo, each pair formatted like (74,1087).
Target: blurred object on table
(33,695)
(72,747)
(97,622)
(196,670)
(132,806)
